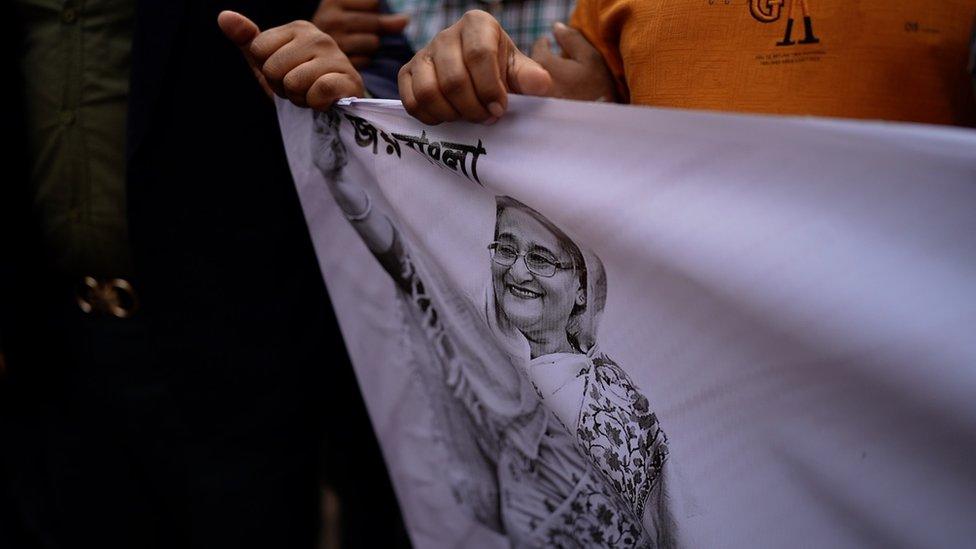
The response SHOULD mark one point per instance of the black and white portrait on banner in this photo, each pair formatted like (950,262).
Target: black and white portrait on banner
(551,442)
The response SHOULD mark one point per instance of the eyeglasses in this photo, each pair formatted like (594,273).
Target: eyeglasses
(537,263)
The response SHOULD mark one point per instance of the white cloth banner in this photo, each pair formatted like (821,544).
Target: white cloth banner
(593,325)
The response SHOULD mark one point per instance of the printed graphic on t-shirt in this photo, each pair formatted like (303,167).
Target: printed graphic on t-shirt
(770,11)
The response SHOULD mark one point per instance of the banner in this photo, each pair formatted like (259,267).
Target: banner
(594,325)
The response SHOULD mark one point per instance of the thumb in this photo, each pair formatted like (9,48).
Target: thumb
(393,24)
(239,29)
(242,31)
(574,44)
(526,76)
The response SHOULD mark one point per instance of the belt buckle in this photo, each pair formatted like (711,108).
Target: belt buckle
(114,296)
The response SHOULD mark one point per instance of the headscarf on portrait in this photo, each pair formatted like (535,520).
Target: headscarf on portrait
(550,373)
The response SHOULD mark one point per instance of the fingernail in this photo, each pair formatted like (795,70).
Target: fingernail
(490,121)
(495,108)
(558,25)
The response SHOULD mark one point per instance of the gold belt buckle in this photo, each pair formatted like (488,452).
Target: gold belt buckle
(114,296)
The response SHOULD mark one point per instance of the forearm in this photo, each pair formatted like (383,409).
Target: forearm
(374,227)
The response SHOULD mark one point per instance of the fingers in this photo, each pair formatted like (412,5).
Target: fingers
(242,31)
(330,15)
(467,71)
(393,23)
(358,44)
(270,41)
(341,16)
(284,59)
(541,49)
(360,61)
(456,85)
(239,29)
(356,25)
(410,104)
(360,5)
(297,83)
(297,61)
(575,45)
(579,73)
(354,21)
(331,87)
(527,76)
(552,63)
(427,91)
(481,43)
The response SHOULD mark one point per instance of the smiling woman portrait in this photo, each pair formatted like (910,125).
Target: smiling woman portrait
(544,305)
(539,280)
(547,440)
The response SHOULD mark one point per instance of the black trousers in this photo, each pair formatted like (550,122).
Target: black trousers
(102,449)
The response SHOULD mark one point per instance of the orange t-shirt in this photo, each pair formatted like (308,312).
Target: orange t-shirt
(887,59)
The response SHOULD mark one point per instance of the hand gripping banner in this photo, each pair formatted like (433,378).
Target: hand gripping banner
(593,325)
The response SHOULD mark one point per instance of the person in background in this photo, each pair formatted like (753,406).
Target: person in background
(863,59)
(972,57)
(360,26)
(172,361)
(356,24)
